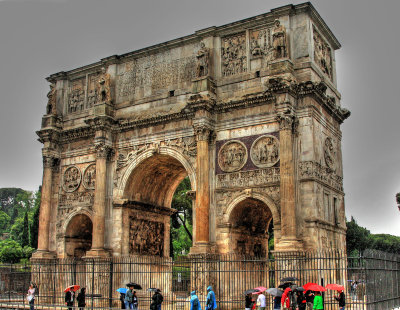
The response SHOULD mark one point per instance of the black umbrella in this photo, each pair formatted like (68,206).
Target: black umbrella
(153,289)
(300,289)
(285,285)
(289,279)
(251,291)
(134,285)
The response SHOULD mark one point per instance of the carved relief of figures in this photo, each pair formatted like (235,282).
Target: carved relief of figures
(146,237)
(104,87)
(89,177)
(249,178)
(232,156)
(329,153)
(265,151)
(51,103)
(322,54)
(202,61)
(76,100)
(234,59)
(260,44)
(72,179)
(279,40)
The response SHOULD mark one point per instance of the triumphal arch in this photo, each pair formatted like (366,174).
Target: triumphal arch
(248,111)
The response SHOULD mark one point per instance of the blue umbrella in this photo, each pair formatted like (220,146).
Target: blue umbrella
(122,290)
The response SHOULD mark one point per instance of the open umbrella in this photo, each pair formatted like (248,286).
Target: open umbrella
(251,291)
(289,279)
(334,287)
(134,285)
(315,287)
(285,285)
(73,288)
(122,290)
(261,288)
(308,284)
(274,291)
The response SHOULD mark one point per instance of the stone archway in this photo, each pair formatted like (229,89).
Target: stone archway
(78,236)
(147,189)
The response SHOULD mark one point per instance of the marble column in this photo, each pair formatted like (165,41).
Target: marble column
(99,204)
(45,207)
(203,186)
(287,186)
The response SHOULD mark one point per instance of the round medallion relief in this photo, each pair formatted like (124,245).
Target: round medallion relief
(89,177)
(72,179)
(232,156)
(329,153)
(265,151)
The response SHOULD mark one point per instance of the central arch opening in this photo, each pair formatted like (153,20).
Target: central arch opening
(150,191)
(78,236)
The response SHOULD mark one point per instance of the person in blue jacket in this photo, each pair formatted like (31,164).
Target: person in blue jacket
(194,301)
(211,303)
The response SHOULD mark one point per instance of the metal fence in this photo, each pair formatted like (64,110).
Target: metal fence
(377,275)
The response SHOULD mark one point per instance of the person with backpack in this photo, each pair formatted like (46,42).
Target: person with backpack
(194,301)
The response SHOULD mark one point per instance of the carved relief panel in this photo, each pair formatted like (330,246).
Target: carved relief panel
(146,237)
(92,90)
(322,53)
(71,179)
(265,151)
(89,177)
(232,156)
(234,54)
(76,98)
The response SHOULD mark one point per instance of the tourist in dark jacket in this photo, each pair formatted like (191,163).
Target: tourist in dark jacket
(81,299)
(341,298)
(301,301)
(248,302)
(69,299)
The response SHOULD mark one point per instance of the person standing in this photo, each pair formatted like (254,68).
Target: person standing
(69,299)
(341,298)
(211,303)
(31,296)
(122,299)
(318,302)
(248,302)
(261,303)
(81,298)
(135,300)
(309,299)
(194,301)
(301,301)
(157,300)
(277,302)
(129,298)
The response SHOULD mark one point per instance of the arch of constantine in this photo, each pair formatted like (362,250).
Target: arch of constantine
(249,111)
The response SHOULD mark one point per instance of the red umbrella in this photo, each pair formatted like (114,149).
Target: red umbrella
(334,287)
(308,284)
(315,287)
(73,288)
(261,288)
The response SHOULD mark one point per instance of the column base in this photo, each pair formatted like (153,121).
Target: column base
(202,248)
(289,244)
(40,254)
(100,253)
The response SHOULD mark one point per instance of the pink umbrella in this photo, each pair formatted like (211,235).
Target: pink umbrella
(315,287)
(334,287)
(261,288)
(305,286)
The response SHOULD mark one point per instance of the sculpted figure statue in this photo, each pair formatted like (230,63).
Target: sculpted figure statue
(279,40)
(51,103)
(104,87)
(202,61)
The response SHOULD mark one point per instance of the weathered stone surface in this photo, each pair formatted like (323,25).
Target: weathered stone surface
(249,111)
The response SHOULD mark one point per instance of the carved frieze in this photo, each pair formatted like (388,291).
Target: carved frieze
(234,59)
(77,198)
(71,179)
(232,156)
(249,178)
(260,42)
(146,237)
(265,151)
(92,90)
(322,54)
(314,170)
(89,177)
(329,153)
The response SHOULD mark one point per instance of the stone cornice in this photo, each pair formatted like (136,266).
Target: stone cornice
(101,122)
(48,135)
(247,101)
(76,134)
(141,206)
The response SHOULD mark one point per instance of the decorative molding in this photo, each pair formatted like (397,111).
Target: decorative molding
(249,178)
(311,170)
(77,198)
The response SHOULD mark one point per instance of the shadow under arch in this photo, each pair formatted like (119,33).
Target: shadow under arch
(248,217)
(153,176)
(78,229)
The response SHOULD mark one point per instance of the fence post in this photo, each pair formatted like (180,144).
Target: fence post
(110,285)
(92,283)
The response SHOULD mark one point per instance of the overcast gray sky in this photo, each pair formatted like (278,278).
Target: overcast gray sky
(41,37)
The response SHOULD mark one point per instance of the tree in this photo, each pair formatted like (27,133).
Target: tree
(4,222)
(8,198)
(25,231)
(357,237)
(12,252)
(34,227)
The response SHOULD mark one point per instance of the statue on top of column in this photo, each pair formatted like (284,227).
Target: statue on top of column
(104,87)
(202,61)
(279,40)
(51,103)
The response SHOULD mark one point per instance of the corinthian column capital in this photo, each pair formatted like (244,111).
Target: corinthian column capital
(287,121)
(103,151)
